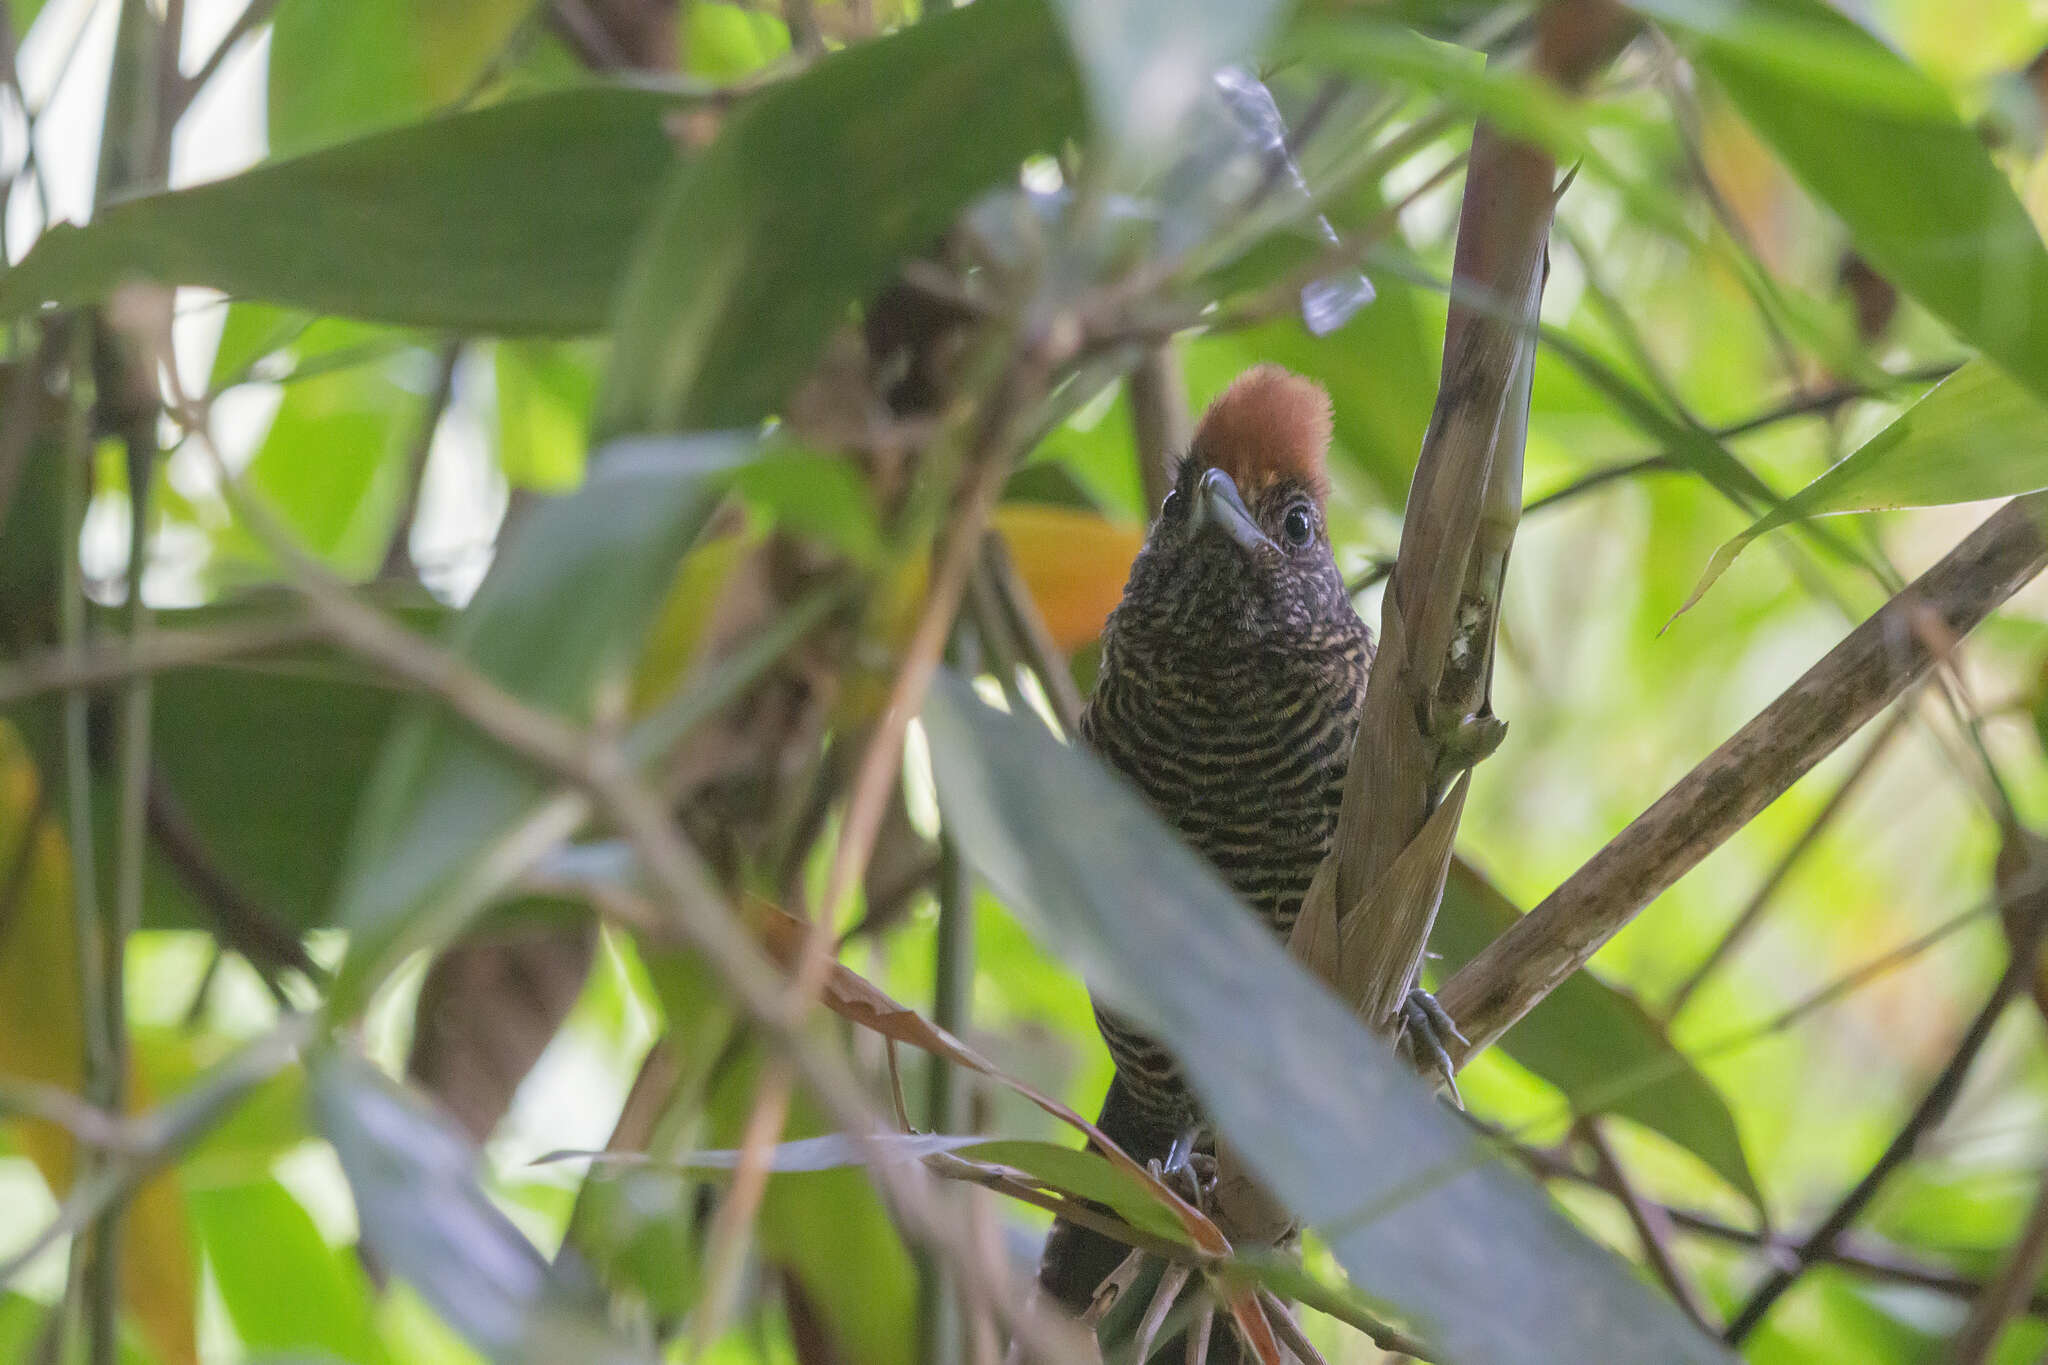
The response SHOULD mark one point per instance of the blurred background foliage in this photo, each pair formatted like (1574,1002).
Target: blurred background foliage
(431,256)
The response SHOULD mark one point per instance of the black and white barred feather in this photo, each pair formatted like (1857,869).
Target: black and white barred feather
(1233,673)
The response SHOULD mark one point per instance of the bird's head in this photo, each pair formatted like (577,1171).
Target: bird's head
(1240,551)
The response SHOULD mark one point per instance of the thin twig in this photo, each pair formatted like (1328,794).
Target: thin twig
(92,667)
(2006,1296)
(240,921)
(142,1145)
(732,1225)
(590,40)
(1760,899)
(1932,1108)
(1653,1227)
(1291,1335)
(398,561)
(1028,627)
(1159,419)
(1817,403)
(91,1283)
(1866,1258)
(1171,1280)
(253,16)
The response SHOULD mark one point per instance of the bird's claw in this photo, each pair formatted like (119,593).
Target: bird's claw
(1187,1170)
(1427,1029)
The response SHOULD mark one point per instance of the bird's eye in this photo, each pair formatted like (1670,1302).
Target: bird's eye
(1172,501)
(1299,527)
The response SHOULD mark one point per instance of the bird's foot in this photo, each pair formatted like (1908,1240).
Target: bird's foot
(1187,1171)
(1426,1032)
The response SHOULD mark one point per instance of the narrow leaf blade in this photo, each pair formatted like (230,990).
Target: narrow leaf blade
(1331,1120)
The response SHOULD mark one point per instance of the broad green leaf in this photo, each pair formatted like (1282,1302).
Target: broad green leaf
(545,394)
(332,468)
(425,1217)
(514,218)
(1088,1174)
(1586,1035)
(1879,142)
(813,193)
(1329,1118)
(260,766)
(341,70)
(1975,435)
(284,1287)
(557,621)
(824,498)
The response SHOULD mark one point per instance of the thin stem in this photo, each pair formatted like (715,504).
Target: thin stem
(1652,1225)
(1865,1258)
(945,1111)
(253,16)
(91,667)
(398,562)
(1760,899)
(1865,672)
(2007,1295)
(1932,1108)
(91,1283)
(1159,419)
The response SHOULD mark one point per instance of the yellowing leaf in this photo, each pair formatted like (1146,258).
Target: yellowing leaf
(40,1041)
(1073,562)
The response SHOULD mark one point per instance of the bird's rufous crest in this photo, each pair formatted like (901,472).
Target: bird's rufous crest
(1270,424)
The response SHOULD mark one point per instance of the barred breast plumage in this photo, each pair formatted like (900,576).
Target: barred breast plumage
(1245,756)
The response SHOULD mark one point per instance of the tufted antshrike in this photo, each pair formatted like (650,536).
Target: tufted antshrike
(1232,675)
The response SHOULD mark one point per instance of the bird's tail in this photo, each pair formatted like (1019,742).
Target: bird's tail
(1077,1259)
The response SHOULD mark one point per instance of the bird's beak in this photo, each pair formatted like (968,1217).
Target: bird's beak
(1219,508)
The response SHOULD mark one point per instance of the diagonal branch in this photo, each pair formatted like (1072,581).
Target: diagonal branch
(2005,1298)
(1877,661)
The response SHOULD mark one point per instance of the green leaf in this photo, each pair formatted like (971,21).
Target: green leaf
(22,1324)
(267,762)
(332,469)
(546,391)
(859,1278)
(1587,1035)
(437,224)
(1879,142)
(425,1217)
(558,622)
(821,497)
(725,42)
(340,70)
(814,192)
(1088,1174)
(1079,1172)
(1330,1120)
(284,1287)
(1975,435)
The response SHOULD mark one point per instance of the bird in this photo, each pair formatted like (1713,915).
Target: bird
(1233,674)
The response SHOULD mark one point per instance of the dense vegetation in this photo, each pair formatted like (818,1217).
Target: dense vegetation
(540,599)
